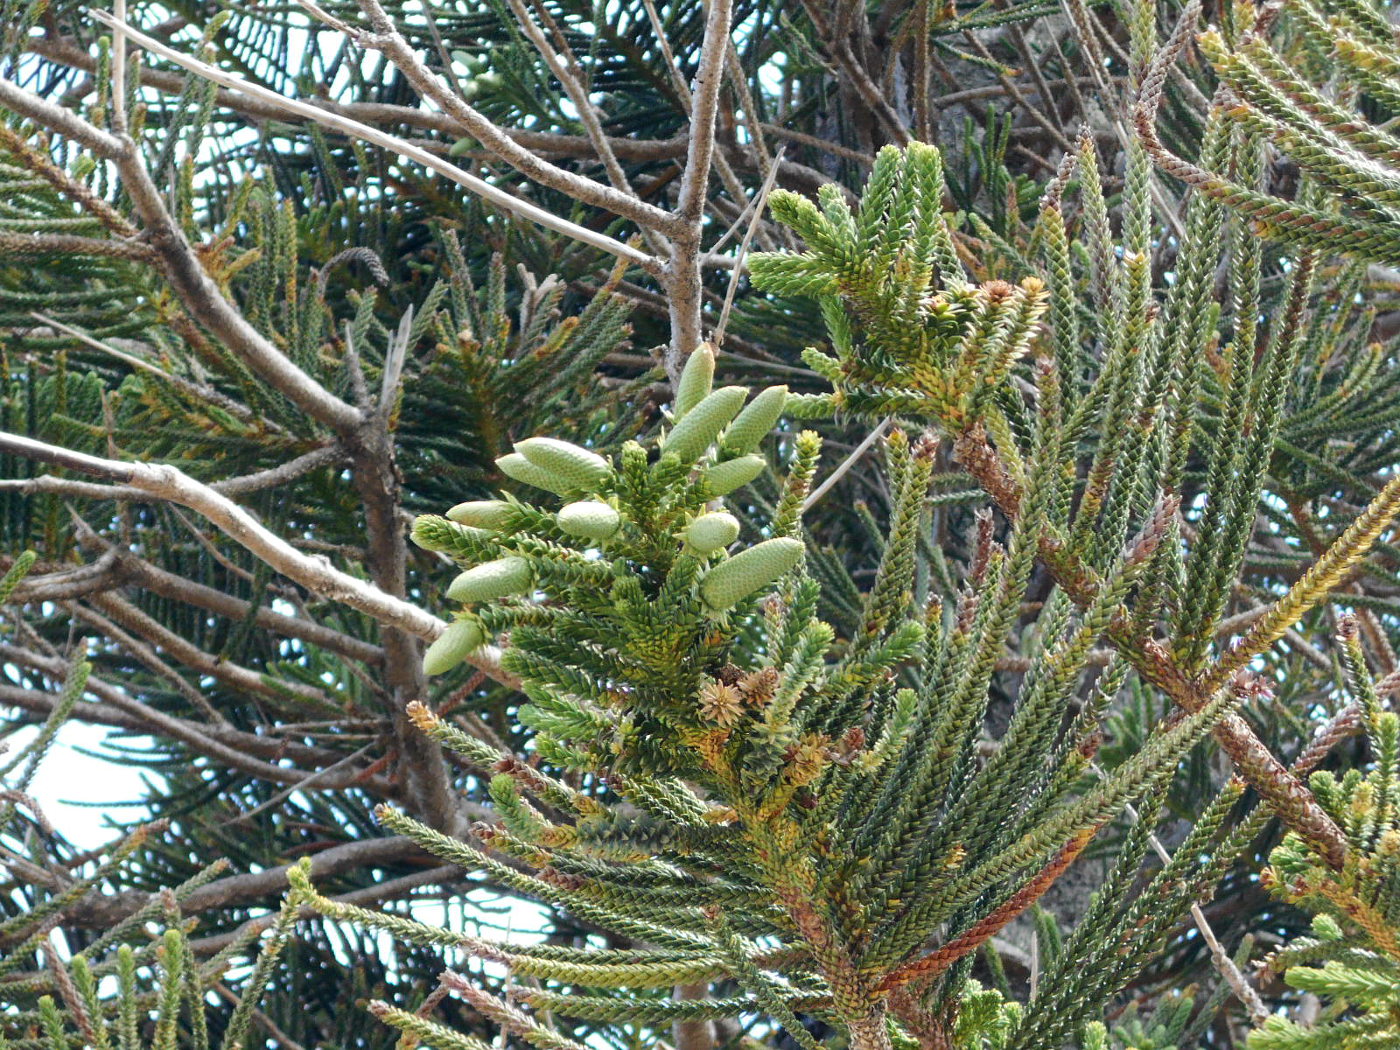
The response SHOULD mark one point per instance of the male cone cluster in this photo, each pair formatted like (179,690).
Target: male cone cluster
(714,441)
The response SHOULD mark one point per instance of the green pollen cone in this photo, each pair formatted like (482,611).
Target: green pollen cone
(702,424)
(575,467)
(492,514)
(434,533)
(696,380)
(495,579)
(752,425)
(452,646)
(724,478)
(730,582)
(518,467)
(712,532)
(589,519)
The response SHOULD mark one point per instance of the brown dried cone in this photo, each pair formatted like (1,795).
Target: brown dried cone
(720,703)
(758,687)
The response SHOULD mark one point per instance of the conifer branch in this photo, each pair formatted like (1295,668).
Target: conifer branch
(203,297)
(403,147)
(928,968)
(387,38)
(1325,575)
(316,574)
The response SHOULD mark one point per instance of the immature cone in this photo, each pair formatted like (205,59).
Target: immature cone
(749,571)
(492,514)
(696,379)
(724,478)
(589,519)
(494,579)
(712,532)
(516,466)
(752,425)
(703,423)
(575,467)
(452,646)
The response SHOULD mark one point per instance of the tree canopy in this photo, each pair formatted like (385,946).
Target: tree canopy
(897,501)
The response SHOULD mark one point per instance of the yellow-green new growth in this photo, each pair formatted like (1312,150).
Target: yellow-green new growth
(696,380)
(453,646)
(730,582)
(752,425)
(494,579)
(711,532)
(589,519)
(702,424)
(516,466)
(576,468)
(724,478)
(491,514)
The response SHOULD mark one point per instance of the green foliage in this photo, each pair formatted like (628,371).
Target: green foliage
(129,988)
(1352,960)
(116,997)
(807,753)
(911,336)
(1312,91)
(792,813)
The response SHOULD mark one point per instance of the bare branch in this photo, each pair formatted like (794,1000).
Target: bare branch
(192,656)
(73,582)
(565,69)
(56,118)
(119,68)
(390,41)
(187,733)
(316,574)
(372,113)
(146,654)
(704,102)
(168,483)
(364,132)
(240,486)
(682,278)
(106,910)
(116,708)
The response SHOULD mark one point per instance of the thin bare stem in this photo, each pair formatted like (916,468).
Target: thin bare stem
(756,206)
(119,67)
(387,39)
(316,574)
(685,296)
(566,71)
(845,466)
(353,128)
(1243,990)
